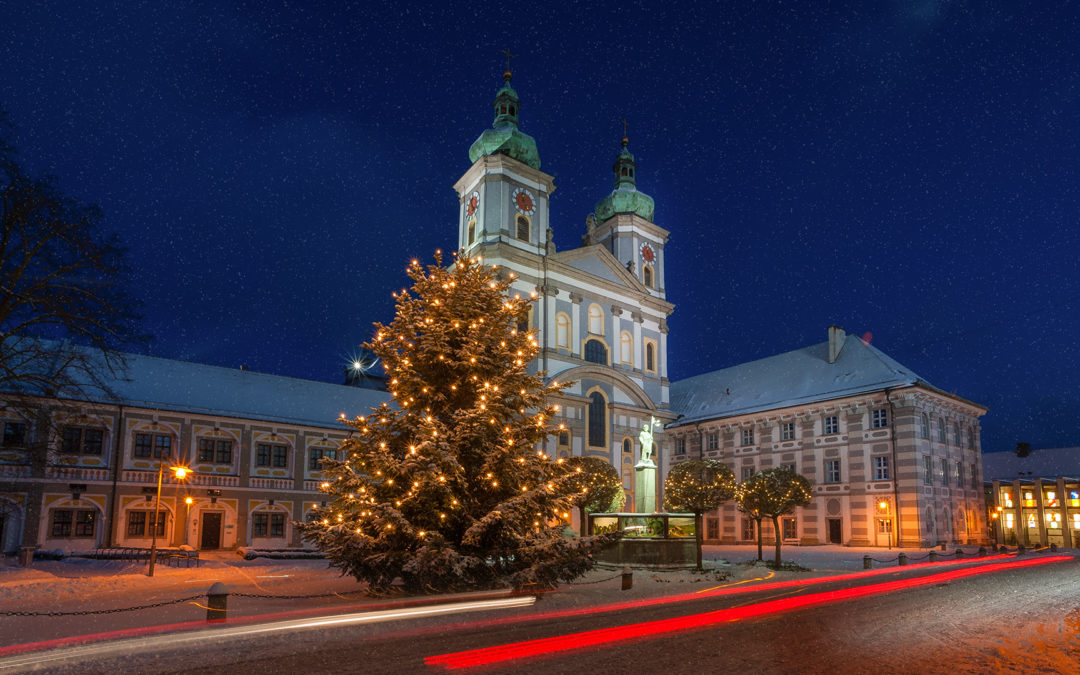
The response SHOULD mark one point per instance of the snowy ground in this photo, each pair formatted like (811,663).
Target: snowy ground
(99,586)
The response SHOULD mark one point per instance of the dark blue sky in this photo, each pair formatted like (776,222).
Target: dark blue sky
(908,169)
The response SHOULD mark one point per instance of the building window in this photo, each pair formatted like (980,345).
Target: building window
(562,331)
(787,431)
(881,468)
(832,471)
(971,438)
(73,523)
(928,470)
(139,523)
(974,477)
(712,528)
(215,451)
(832,425)
(597,420)
(152,445)
(879,419)
(747,436)
(596,319)
(941,431)
(595,352)
(647,275)
(272,455)
(790,528)
(523,228)
(712,441)
(680,446)
(747,472)
(958,474)
(268,525)
(564,439)
(315,456)
(650,356)
(472,230)
(748,533)
(924,426)
(81,441)
(14,434)
(956,434)
(944,472)
(626,349)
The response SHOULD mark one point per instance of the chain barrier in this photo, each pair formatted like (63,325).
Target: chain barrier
(117,610)
(598,581)
(295,597)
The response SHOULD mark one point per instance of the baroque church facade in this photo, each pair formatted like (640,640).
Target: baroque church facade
(600,310)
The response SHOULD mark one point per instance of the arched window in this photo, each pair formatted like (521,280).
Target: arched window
(647,276)
(472,230)
(525,324)
(562,331)
(596,319)
(924,426)
(628,447)
(626,348)
(597,420)
(523,228)
(595,352)
(513,110)
(956,434)
(650,356)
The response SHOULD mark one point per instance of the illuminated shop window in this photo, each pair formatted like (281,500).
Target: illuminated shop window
(1074,497)
(1076,521)
(1006,499)
(1053,521)
(1029,499)
(1009,520)
(1032,521)
(1051,498)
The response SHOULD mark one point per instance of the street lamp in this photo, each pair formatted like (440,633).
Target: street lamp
(181,473)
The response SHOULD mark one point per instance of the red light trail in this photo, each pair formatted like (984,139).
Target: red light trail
(651,629)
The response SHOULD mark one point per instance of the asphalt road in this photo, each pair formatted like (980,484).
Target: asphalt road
(1013,620)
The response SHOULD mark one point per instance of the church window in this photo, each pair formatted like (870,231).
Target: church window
(472,230)
(597,420)
(650,356)
(647,275)
(513,110)
(626,349)
(596,352)
(526,323)
(627,449)
(523,228)
(562,331)
(625,172)
(564,439)
(596,319)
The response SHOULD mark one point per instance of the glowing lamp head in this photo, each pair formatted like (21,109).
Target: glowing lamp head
(189,501)
(181,472)
(883,505)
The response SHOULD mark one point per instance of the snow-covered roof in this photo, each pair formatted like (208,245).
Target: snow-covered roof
(1043,463)
(183,386)
(793,378)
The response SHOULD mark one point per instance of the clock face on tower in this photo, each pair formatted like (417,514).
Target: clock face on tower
(647,253)
(472,204)
(523,201)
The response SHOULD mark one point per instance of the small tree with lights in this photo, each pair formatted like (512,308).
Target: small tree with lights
(597,487)
(449,488)
(772,493)
(697,486)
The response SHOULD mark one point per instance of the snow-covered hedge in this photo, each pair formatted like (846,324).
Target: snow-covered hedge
(279,553)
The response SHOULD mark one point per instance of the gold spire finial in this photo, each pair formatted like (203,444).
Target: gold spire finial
(625,139)
(506,74)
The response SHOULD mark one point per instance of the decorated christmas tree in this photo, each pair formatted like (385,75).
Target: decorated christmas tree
(449,487)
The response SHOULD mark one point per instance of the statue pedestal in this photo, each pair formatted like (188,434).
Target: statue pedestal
(645,486)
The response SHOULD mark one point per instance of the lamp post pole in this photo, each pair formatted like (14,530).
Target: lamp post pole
(157,510)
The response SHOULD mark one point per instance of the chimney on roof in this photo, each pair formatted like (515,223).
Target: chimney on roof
(836,342)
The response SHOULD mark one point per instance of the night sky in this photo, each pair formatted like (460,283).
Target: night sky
(907,169)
